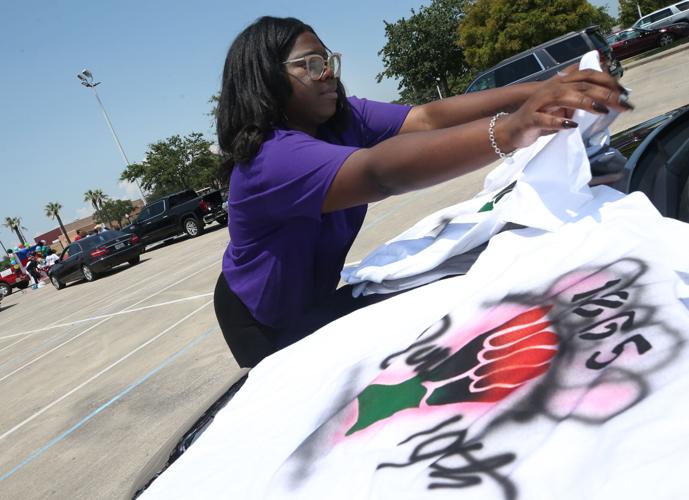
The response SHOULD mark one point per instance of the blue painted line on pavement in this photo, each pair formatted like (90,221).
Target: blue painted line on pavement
(95,412)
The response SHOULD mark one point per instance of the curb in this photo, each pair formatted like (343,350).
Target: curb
(655,57)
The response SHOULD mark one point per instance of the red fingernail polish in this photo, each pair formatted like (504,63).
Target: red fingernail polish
(569,124)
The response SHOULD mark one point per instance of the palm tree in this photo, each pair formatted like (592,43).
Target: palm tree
(52,210)
(15,224)
(96,197)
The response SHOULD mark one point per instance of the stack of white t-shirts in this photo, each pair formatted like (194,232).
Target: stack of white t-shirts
(539,187)
(556,368)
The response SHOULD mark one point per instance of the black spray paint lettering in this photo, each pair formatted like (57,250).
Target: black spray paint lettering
(444,447)
(595,304)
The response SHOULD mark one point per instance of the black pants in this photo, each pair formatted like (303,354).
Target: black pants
(250,341)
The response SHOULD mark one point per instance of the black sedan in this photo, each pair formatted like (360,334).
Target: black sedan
(90,256)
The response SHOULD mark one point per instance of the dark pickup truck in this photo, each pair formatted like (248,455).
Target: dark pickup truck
(184,212)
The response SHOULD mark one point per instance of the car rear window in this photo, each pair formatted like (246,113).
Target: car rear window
(516,70)
(568,49)
(683,6)
(181,198)
(100,238)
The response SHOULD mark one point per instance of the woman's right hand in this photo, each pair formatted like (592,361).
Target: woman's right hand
(550,108)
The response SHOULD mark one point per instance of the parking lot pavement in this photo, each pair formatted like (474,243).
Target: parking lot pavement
(98,378)
(658,86)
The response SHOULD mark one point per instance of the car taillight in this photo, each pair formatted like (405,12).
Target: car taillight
(602,59)
(204,206)
(99,252)
(134,239)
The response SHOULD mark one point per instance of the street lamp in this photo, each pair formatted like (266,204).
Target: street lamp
(437,86)
(86,78)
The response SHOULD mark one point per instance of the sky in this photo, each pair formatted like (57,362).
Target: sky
(158,63)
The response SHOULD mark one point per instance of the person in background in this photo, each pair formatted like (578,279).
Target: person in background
(305,160)
(51,259)
(78,236)
(32,270)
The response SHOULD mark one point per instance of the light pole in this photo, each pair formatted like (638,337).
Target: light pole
(437,86)
(86,78)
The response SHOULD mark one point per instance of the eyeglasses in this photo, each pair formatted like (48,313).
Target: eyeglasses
(316,64)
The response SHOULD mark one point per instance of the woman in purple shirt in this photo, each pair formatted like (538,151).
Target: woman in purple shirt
(306,160)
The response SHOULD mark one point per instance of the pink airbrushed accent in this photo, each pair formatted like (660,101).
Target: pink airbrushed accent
(351,413)
(579,281)
(598,402)
(395,373)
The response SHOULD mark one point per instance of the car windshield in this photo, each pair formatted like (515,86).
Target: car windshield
(100,238)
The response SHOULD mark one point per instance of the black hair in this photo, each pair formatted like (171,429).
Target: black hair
(255,89)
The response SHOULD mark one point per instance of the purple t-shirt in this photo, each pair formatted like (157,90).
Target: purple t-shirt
(284,255)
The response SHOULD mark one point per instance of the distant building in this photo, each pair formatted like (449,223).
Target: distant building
(56,240)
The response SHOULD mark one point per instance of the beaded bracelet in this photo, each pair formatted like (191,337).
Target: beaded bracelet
(491,136)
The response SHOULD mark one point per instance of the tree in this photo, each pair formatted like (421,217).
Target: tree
(629,12)
(15,224)
(422,52)
(52,210)
(96,197)
(214,101)
(113,211)
(174,164)
(493,30)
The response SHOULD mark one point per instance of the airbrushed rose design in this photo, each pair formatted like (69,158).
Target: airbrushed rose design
(484,370)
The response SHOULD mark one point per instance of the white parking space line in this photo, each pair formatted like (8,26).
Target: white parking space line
(147,279)
(25,365)
(134,385)
(93,318)
(104,370)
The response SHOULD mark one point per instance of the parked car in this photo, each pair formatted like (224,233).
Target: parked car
(9,279)
(542,62)
(184,212)
(675,13)
(633,41)
(658,164)
(93,255)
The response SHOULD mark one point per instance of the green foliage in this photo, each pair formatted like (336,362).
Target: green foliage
(15,224)
(52,210)
(605,20)
(174,164)
(96,197)
(113,211)
(629,13)
(493,30)
(214,101)
(422,52)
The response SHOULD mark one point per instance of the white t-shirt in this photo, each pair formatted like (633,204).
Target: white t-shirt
(51,259)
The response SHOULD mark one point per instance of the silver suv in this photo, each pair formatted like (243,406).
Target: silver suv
(676,13)
(543,61)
